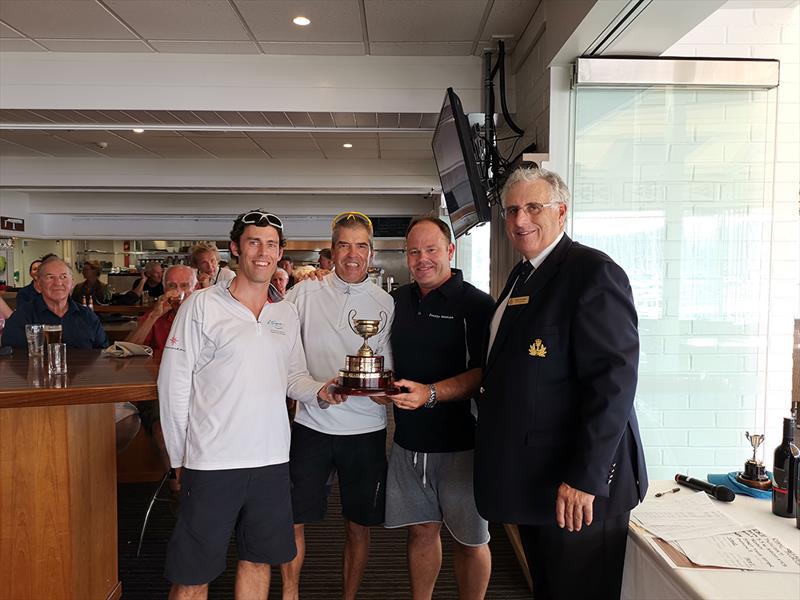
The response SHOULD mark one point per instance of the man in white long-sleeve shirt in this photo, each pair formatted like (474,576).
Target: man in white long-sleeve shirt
(349,437)
(230,360)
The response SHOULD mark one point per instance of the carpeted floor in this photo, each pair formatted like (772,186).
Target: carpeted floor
(386,576)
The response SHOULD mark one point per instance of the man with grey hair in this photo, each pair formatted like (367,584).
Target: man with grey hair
(280,280)
(350,437)
(80,326)
(558,449)
(153,327)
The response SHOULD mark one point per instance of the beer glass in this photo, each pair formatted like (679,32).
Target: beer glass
(52,334)
(35,337)
(56,358)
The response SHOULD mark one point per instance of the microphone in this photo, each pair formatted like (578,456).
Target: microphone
(720,492)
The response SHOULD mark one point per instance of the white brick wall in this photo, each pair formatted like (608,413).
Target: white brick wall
(695,193)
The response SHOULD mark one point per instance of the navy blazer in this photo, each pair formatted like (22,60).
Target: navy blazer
(556,401)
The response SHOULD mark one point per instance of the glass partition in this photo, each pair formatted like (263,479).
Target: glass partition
(675,184)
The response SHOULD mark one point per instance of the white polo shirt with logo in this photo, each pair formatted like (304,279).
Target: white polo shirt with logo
(223,382)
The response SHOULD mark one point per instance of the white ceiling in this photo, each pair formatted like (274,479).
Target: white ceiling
(338,27)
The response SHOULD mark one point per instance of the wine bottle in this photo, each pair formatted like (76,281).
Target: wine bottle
(784,488)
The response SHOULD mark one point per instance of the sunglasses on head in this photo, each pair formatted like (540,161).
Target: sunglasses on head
(261,219)
(352,215)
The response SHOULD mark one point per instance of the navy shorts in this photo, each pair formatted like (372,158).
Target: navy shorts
(254,502)
(360,463)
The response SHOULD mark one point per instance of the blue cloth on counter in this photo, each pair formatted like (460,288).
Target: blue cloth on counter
(730,482)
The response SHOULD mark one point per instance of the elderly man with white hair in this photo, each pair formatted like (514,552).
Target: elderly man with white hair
(153,328)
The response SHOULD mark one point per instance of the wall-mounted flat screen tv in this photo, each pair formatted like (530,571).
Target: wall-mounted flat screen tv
(457,163)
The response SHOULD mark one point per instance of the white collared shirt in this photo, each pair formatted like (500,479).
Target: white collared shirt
(536,262)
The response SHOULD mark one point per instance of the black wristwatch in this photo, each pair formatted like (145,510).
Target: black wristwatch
(431,396)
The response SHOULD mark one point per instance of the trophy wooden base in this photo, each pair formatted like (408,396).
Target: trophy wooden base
(760,484)
(352,391)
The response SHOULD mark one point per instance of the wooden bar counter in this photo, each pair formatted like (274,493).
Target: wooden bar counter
(58,495)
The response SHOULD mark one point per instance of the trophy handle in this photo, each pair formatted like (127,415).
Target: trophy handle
(384,319)
(350,316)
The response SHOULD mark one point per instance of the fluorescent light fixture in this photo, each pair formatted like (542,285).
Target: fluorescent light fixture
(302,21)
(138,130)
(347,145)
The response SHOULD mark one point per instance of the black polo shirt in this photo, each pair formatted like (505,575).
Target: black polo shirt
(433,338)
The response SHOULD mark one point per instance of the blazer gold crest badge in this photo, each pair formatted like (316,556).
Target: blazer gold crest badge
(538,349)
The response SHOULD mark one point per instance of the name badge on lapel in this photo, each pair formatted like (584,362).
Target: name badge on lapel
(518,300)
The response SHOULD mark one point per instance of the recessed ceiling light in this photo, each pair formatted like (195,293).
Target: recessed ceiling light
(302,21)
(347,145)
(138,130)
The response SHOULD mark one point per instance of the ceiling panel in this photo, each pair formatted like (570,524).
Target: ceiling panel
(300,119)
(7,32)
(255,118)
(508,17)
(60,19)
(10,149)
(95,45)
(344,119)
(174,147)
(21,45)
(230,147)
(313,48)
(420,48)
(48,144)
(198,19)
(278,119)
(205,47)
(331,20)
(405,155)
(116,146)
(405,142)
(364,119)
(410,120)
(422,20)
(322,119)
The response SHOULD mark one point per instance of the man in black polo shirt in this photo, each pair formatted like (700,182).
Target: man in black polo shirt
(436,339)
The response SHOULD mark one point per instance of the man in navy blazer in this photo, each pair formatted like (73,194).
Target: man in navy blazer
(558,449)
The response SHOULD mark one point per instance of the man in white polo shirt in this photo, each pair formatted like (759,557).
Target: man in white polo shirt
(350,437)
(233,354)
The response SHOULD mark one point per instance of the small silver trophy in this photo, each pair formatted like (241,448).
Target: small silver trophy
(754,474)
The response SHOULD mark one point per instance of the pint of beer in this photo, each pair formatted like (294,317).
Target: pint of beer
(52,335)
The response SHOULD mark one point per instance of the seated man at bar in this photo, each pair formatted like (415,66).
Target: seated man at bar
(153,327)
(91,289)
(205,258)
(151,281)
(80,326)
(29,292)
(280,280)
(233,353)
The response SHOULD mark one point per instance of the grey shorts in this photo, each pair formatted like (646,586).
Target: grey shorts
(433,488)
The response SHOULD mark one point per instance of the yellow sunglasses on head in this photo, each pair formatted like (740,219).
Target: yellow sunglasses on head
(354,216)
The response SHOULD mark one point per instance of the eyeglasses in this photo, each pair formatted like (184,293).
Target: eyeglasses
(354,216)
(257,217)
(531,209)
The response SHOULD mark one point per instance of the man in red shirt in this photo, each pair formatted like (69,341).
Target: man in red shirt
(153,327)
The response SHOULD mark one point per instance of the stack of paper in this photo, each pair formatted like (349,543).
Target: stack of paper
(708,537)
